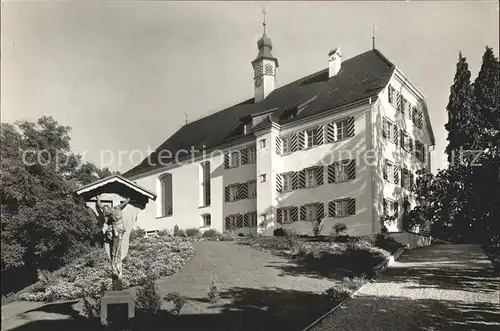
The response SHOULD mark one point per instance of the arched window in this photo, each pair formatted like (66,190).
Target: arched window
(166,195)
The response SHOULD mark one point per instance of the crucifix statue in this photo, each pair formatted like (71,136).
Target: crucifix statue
(114,230)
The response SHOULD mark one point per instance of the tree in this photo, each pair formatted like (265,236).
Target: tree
(463,201)
(459,110)
(43,224)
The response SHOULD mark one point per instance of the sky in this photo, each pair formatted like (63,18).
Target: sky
(125,75)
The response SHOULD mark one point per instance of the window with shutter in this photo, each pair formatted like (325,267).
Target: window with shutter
(287,182)
(286,145)
(233,192)
(341,208)
(251,155)
(252,189)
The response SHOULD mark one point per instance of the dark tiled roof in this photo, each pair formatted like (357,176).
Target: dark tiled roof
(359,78)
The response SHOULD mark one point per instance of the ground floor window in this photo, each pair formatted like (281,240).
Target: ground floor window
(206,220)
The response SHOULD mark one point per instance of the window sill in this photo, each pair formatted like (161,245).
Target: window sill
(340,181)
(166,216)
(204,227)
(202,207)
(335,141)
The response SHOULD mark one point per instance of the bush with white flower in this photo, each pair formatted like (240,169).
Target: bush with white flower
(87,275)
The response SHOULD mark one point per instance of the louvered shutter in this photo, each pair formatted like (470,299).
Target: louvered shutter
(239,221)
(330,132)
(350,127)
(246,222)
(320,133)
(396,209)
(351,169)
(244,155)
(331,173)
(384,206)
(302,213)
(279,183)
(386,132)
(301,141)
(295,180)
(320,211)
(351,207)
(242,191)
(293,142)
(226,160)
(279,215)
(278,145)
(226,194)
(319,175)
(385,169)
(396,174)
(227,223)
(331,209)
(302,178)
(295,214)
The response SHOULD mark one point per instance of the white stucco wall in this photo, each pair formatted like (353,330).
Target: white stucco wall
(354,147)
(186,188)
(388,150)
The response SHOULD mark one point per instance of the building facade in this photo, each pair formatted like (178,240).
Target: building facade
(340,145)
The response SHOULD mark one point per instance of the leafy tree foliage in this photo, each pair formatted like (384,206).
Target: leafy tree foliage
(43,224)
(463,201)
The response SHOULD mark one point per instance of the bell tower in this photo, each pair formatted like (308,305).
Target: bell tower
(264,66)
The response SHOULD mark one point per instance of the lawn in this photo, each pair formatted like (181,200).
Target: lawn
(264,284)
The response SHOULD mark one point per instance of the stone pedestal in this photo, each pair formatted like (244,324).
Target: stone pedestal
(117,308)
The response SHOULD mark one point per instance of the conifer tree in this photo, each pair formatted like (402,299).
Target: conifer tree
(459,111)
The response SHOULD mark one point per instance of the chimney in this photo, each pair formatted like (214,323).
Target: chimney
(334,62)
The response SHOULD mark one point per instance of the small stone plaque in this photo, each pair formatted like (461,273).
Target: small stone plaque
(117,307)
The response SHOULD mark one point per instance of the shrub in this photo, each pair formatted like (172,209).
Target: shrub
(354,283)
(317,227)
(164,233)
(337,295)
(280,232)
(387,243)
(148,299)
(213,294)
(292,239)
(137,233)
(339,228)
(9,297)
(178,301)
(176,231)
(164,256)
(211,233)
(92,303)
(193,233)
(227,236)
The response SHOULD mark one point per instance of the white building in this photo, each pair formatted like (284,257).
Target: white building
(340,145)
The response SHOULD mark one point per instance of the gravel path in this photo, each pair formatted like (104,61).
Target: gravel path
(442,287)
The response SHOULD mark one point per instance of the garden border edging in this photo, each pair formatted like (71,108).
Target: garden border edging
(382,265)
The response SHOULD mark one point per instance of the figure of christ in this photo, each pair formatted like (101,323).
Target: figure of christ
(114,229)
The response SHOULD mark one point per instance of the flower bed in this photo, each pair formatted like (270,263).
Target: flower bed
(163,256)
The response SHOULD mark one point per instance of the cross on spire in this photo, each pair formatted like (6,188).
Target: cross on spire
(264,13)
(373,35)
